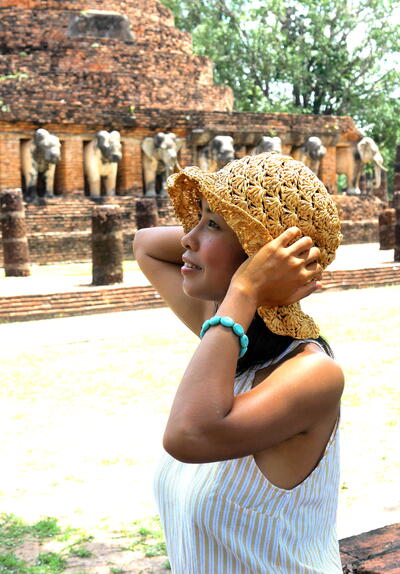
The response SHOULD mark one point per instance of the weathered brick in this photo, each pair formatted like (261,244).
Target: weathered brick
(374,552)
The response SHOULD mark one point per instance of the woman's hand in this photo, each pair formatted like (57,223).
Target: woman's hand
(285,270)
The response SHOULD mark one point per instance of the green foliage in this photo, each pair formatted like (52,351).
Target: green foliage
(80,552)
(46,528)
(48,563)
(148,538)
(10,564)
(314,56)
(12,531)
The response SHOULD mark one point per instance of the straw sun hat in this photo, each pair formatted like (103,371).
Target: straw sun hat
(259,197)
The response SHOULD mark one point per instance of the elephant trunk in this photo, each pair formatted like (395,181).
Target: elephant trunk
(377,182)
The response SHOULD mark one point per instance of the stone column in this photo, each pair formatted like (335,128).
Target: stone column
(387,219)
(396,205)
(69,172)
(13,227)
(396,183)
(107,245)
(327,169)
(146,213)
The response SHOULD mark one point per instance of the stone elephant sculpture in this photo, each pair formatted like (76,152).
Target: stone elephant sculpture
(268,144)
(350,161)
(100,160)
(218,152)
(39,157)
(310,153)
(160,158)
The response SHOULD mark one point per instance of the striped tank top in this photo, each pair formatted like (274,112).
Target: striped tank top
(227,518)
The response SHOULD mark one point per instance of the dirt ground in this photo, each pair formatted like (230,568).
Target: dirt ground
(108,556)
(85,439)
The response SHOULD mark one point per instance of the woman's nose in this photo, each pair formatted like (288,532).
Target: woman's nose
(189,240)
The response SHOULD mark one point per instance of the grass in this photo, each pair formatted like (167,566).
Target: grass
(16,535)
(148,538)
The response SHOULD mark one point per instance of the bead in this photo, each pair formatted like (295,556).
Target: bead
(214,320)
(227,322)
(238,329)
(242,352)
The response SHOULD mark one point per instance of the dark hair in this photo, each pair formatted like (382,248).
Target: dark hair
(265,345)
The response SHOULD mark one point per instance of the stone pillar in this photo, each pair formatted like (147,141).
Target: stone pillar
(396,205)
(396,182)
(130,179)
(387,219)
(10,162)
(327,169)
(15,243)
(146,213)
(107,245)
(69,173)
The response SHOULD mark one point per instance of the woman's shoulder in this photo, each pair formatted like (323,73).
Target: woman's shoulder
(307,369)
(314,370)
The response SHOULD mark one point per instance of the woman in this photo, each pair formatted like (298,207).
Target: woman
(250,481)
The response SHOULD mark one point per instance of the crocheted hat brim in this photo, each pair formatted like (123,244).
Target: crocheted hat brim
(188,186)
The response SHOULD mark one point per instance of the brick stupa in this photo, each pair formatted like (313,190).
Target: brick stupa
(74,61)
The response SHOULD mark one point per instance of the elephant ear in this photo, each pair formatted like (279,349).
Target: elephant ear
(367,149)
(179,143)
(40,135)
(102,137)
(362,146)
(148,147)
(159,139)
(115,135)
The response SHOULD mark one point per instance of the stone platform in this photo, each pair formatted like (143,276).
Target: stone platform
(40,296)
(374,552)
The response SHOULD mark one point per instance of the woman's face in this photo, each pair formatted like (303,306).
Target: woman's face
(212,255)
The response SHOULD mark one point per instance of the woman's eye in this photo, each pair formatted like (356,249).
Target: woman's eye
(212,224)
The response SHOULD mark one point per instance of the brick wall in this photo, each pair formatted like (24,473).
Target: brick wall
(10,172)
(358,208)
(69,178)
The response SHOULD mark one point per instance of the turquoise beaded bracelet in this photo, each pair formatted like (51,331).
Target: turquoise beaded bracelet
(230,323)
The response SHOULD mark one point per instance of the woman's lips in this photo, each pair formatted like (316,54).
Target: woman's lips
(189,266)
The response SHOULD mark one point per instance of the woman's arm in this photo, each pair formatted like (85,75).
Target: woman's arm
(158,251)
(207,422)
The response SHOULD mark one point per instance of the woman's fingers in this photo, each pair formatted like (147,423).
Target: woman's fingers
(289,236)
(301,247)
(312,259)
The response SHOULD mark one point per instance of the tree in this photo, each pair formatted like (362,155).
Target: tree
(310,56)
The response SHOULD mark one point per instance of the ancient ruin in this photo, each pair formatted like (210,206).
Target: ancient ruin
(82,69)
